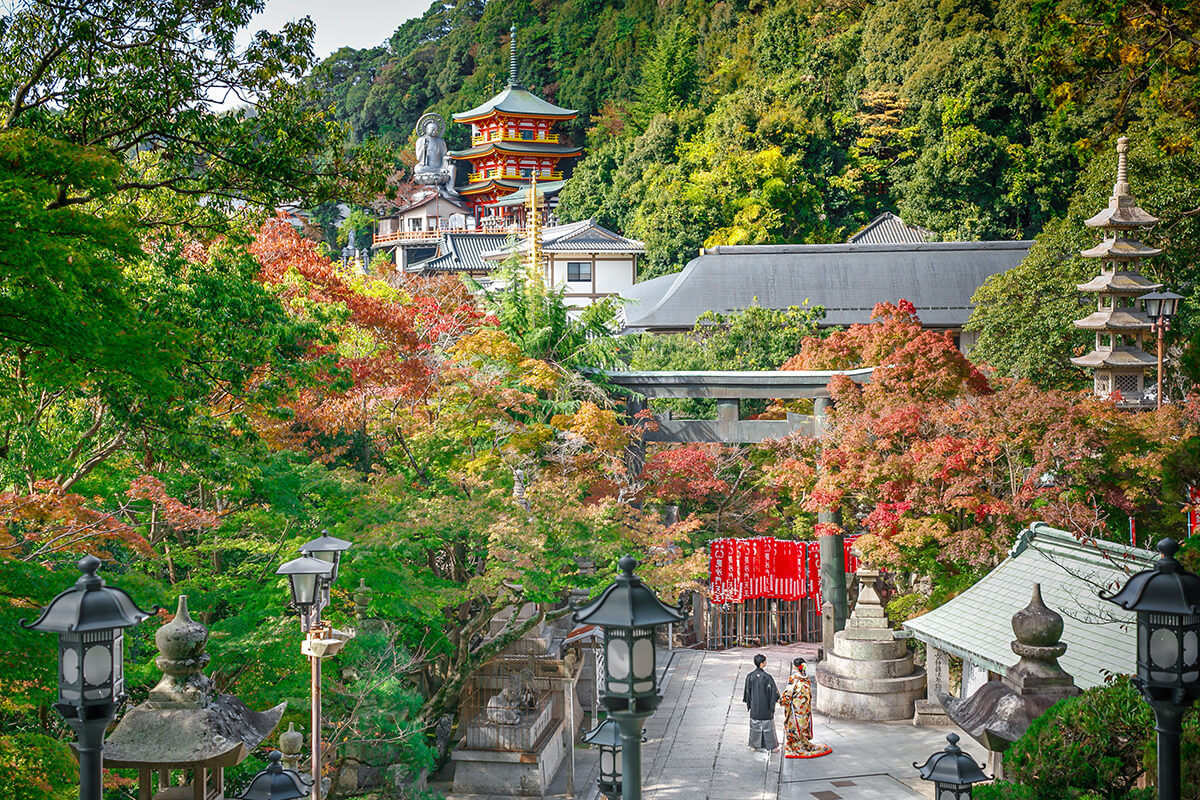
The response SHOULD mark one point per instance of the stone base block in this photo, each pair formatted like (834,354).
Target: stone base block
(883,668)
(863,706)
(868,649)
(930,713)
(502,772)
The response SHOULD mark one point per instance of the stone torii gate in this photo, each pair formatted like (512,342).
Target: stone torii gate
(729,388)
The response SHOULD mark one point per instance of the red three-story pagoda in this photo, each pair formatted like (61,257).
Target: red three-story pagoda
(512,142)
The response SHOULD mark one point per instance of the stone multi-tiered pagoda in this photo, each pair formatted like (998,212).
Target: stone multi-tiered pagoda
(1118,360)
(512,142)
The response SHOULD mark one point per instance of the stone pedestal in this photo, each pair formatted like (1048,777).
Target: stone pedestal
(869,674)
(508,772)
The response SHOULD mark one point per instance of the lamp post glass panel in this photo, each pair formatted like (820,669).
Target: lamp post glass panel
(1166,600)
(1160,308)
(952,771)
(629,613)
(89,618)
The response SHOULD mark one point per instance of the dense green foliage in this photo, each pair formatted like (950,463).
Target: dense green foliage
(1094,746)
(792,121)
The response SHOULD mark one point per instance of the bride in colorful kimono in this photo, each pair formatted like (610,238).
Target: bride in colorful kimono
(797,715)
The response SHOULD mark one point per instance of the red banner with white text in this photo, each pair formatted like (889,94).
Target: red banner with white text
(783,569)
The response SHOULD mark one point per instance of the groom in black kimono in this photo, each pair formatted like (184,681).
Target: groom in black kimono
(760,697)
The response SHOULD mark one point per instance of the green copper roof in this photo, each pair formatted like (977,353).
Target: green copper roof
(519,148)
(517,100)
(977,624)
(521,196)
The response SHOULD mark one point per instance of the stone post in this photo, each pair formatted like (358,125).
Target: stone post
(833,554)
(827,629)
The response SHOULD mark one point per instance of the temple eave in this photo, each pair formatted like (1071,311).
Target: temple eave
(1121,217)
(1116,360)
(1115,320)
(1119,282)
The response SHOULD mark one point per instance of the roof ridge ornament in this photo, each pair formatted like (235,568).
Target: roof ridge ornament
(512,56)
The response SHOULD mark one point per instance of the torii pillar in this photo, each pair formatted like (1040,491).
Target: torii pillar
(832,547)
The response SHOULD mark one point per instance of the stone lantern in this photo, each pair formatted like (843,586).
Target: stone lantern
(1118,360)
(185,725)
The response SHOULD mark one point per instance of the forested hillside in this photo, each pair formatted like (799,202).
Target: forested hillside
(800,120)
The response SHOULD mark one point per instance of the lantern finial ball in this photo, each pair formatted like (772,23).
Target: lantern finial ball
(627,564)
(88,565)
(1168,547)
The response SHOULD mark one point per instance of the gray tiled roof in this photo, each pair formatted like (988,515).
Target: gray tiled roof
(462,252)
(517,100)
(585,236)
(887,228)
(939,278)
(977,624)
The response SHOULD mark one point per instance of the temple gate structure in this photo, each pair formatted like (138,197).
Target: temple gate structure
(729,388)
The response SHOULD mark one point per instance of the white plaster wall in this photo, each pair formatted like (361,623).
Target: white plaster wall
(614,275)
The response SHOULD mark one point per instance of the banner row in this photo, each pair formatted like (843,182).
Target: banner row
(783,569)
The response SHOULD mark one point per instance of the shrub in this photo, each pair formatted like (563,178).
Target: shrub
(905,607)
(1094,745)
(36,767)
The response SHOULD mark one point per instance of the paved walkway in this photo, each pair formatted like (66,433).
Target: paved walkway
(697,742)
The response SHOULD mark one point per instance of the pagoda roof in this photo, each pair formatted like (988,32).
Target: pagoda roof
(1122,212)
(517,101)
(518,148)
(502,184)
(1120,249)
(1119,282)
(1117,357)
(1118,319)
(521,196)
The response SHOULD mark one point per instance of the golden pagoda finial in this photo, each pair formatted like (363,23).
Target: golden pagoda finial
(534,232)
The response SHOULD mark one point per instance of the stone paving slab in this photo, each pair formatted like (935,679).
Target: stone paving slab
(865,787)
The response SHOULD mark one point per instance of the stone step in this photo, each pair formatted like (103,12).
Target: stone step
(881,668)
(904,684)
(930,713)
(864,633)
(861,649)
(837,702)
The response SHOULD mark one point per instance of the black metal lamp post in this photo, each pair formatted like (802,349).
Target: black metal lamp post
(327,548)
(275,783)
(952,771)
(89,618)
(310,578)
(1160,307)
(607,737)
(1167,602)
(629,612)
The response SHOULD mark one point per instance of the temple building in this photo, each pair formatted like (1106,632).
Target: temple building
(512,141)
(1118,360)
